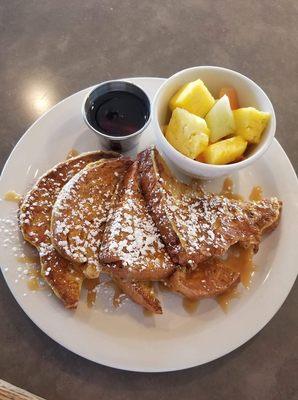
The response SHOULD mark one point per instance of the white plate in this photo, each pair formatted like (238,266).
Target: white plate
(125,338)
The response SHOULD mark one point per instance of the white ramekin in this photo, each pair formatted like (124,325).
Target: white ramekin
(249,95)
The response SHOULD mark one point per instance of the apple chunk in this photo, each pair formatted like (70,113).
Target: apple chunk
(220,119)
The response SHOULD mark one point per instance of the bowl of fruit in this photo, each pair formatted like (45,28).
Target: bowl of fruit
(212,121)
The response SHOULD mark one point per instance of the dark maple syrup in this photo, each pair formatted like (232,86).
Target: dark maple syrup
(118,113)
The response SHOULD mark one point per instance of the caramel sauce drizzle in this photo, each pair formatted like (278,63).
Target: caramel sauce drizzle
(90,285)
(72,153)
(241,260)
(118,296)
(238,259)
(256,193)
(224,299)
(227,190)
(33,282)
(12,196)
(147,313)
(190,306)
(28,260)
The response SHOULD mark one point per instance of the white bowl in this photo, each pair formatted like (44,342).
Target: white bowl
(249,94)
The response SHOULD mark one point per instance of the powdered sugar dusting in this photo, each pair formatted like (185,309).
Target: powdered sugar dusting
(196,225)
(81,209)
(131,236)
(35,223)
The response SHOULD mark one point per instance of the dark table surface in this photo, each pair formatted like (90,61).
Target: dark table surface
(58,47)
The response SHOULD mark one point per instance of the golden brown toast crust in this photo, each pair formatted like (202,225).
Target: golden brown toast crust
(35,218)
(210,279)
(141,294)
(80,212)
(61,276)
(131,245)
(195,225)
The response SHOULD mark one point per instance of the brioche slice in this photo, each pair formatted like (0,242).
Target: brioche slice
(194,225)
(212,278)
(131,246)
(141,293)
(35,219)
(80,212)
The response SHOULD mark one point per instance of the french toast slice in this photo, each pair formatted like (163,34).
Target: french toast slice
(131,247)
(210,279)
(80,212)
(140,293)
(195,225)
(35,219)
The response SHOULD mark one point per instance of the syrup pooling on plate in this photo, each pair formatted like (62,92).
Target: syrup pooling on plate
(31,270)
(12,196)
(27,259)
(240,260)
(72,153)
(225,299)
(256,193)
(34,280)
(118,295)
(91,285)
(190,306)
(147,313)
(227,190)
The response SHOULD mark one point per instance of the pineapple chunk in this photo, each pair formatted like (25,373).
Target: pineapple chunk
(164,128)
(225,151)
(220,119)
(187,132)
(250,123)
(193,97)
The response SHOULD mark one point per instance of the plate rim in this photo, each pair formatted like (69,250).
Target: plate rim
(121,367)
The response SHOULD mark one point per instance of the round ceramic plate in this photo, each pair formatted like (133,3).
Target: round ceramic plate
(124,337)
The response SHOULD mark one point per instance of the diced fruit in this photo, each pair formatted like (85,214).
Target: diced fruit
(187,132)
(225,151)
(232,95)
(193,97)
(250,123)
(201,157)
(220,119)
